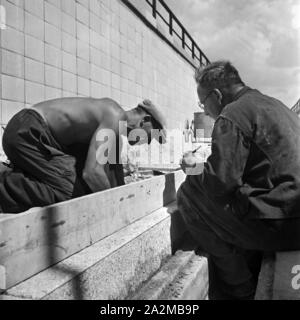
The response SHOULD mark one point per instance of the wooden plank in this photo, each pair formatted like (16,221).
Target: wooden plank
(32,241)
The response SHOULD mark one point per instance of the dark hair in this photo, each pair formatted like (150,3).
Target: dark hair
(155,123)
(218,75)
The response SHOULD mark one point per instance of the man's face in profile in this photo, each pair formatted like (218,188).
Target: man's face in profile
(146,126)
(209,101)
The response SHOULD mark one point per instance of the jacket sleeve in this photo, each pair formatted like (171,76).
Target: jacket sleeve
(224,169)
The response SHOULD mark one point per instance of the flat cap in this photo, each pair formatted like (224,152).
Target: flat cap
(159,120)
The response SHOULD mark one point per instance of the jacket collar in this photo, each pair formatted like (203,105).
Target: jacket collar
(241,93)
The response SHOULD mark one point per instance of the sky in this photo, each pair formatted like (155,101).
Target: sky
(260,37)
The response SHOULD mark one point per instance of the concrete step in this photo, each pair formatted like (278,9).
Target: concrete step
(183,277)
(112,268)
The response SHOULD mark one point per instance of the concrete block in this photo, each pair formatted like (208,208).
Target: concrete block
(139,91)
(83,68)
(34,48)
(105,77)
(115,6)
(56,3)
(95,7)
(132,88)
(105,47)
(124,70)
(105,61)
(9,109)
(95,39)
(95,22)
(69,24)
(53,56)
(82,14)
(115,22)
(115,36)
(123,28)
(83,32)
(52,93)
(12,40)
(34,71)
(131,74)
(85,3)
(124,84)
(53,35)
(53,77)
(66,94)
(96,73)
(116,81)
(95,57)
(83,86)
(34,26)
(69,43)
(115,51)
(83,50)
(96,90)
(69,82)
(106,91)
(14,15)
(34,92)
(115,66)
(69,7)
(125,103)
(35,7)
(105,30)
(19,3)
(131,33)
(124,57)
(12,88)
(12,64)
(116,95)
(131,46)
(69,62)
(53,15)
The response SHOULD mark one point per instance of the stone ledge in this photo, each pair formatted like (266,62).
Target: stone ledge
(49,235)
(110,269)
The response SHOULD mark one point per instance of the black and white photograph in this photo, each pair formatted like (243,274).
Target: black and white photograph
(149,153)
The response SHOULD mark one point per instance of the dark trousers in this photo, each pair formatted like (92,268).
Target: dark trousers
(232,242)
(43,172)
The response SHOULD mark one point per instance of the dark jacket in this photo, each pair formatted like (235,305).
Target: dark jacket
(255,161)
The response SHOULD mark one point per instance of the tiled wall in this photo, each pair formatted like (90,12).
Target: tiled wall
(98,48)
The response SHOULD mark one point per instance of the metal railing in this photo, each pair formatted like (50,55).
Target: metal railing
(296,107)
(161,10)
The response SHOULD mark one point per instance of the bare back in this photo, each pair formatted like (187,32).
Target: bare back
(75,120)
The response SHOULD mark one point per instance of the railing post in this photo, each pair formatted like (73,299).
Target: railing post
(154,6)
(193,49)
(183,38)
(171,23)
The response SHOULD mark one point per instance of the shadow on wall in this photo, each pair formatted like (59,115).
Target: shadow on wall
(52,240)
(179,235)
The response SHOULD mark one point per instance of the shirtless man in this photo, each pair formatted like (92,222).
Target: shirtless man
(53,150)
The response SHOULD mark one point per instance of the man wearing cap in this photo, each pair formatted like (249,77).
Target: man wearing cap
(57,149)
(247,199)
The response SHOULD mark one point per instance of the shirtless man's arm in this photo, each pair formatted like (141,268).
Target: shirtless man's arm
(96,173)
